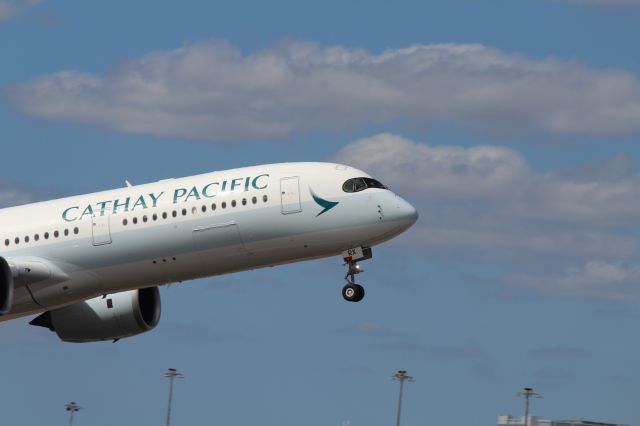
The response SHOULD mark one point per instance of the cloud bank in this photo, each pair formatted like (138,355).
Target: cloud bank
(498,176)
(614,280)
(572,233)
(14,195)
(212,91)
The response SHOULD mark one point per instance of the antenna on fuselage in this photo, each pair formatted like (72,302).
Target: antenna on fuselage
(128,183)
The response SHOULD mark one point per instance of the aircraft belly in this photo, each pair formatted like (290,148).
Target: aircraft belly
(220,247)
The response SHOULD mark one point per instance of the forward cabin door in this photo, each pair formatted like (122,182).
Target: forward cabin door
(101,229)
(290,193)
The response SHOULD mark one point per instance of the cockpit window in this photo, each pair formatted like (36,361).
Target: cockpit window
(372,183)
(360,184)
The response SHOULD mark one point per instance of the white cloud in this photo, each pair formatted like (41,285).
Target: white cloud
(211,91)
(443,171)
(497,176)
(593,279)
(13,195)
(10,8)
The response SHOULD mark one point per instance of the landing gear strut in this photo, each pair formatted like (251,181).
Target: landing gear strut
(353,292)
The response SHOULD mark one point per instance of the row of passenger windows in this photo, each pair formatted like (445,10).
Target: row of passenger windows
(46,236)
(145,218)
(194,210)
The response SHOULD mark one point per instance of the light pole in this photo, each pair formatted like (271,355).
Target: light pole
(401,376)
(72,408)
(527,393)
(171,374)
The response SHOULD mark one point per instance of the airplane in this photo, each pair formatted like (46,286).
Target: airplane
(90,265)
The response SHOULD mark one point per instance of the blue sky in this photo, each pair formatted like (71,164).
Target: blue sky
(513,126)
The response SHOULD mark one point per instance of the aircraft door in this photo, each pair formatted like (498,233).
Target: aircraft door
(290,193)
(101,229)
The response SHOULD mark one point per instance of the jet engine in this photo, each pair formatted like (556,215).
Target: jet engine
(6,287)
(108,317)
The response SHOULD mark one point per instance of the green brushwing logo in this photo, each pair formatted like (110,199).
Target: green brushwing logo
(325,204)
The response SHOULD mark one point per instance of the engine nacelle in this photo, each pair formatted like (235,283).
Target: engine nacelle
(6,287)
(110,317)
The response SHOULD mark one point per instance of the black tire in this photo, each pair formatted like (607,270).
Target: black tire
(353,292)
(349,292)
(359,293)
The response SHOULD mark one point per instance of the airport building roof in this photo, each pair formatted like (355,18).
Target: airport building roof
(536,421)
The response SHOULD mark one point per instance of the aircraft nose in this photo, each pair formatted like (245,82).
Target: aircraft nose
(408,213)
(405,213)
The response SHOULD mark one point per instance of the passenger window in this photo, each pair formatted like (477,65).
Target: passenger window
(135,220)
(254,200)
(265,198)
(26,239)
(6,242)
(224,205)
(66,232)
(233,203)
(174,213)
(56,234)
(244,201)
(36,237)
(204,209)
(164,215)
(154,217)
(144,218)
(184,212)
(213,206)
(124,222)
(17,240)
(76,231)
(46,235)
(194,210)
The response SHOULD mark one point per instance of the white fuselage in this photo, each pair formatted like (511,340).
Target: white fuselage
(76,248)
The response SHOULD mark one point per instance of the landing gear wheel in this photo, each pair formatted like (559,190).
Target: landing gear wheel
(353,292)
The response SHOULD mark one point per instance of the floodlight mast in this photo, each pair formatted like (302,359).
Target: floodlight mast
(171,374)
(72,408)
(401,376)
(527,393)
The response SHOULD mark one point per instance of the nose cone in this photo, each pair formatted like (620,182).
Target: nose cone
(394,216)
(399,212)
(405,213)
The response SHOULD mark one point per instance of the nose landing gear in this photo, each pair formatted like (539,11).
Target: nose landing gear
(353,292)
